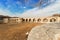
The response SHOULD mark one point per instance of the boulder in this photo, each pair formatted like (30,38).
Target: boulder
(49,31)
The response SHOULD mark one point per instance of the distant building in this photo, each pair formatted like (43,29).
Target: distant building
(4,19)
(7,19)
(15,20)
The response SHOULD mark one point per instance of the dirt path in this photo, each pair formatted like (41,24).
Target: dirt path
(15,31)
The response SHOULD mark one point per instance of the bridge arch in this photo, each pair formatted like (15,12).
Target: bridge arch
(53,20)
(30,19)
(38,20)
(45,20)
(34,20)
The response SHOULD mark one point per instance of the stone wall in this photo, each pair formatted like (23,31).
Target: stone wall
(42,20)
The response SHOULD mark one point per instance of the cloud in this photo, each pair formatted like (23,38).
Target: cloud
(47,11)
(6,12)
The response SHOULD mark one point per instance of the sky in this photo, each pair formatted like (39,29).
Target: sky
(29,8)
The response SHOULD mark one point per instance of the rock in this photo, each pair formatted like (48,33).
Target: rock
(49,31)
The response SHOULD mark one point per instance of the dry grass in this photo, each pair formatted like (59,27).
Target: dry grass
(15,31)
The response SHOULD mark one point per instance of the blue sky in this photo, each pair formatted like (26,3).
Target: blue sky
(18,7)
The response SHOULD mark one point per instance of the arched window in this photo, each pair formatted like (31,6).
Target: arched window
(52,20)
(45,20)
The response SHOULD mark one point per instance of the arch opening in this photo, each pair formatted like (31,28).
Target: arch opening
(45,20)
(29,20)
(34,20)
(52,20)
(39,20)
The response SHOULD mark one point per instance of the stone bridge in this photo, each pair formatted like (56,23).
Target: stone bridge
(42,20)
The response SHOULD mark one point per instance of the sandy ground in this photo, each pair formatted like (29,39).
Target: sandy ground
(16,31)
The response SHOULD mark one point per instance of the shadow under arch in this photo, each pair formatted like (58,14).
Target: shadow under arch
(30,20)
(23,20)
(26,20)
(34,20)
(38,19)
(52,20)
